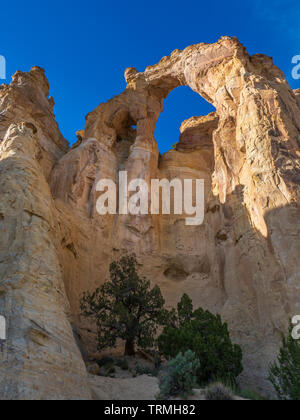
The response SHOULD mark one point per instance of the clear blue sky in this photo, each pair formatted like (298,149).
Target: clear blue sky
(85,46)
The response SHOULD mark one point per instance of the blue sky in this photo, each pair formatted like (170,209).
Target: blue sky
(85,47)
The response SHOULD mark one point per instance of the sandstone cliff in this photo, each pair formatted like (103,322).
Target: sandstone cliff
(243,262)
(41,359)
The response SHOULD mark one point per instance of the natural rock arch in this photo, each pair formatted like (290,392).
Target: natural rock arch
(242,263)
(248,153)
(237,85)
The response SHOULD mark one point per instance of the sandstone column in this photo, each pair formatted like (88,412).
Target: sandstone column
(41,359)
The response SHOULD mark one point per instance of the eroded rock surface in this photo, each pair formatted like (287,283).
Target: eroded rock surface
(40,359)
(243,262)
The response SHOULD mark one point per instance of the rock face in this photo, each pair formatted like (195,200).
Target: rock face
(41,359)
(243,262)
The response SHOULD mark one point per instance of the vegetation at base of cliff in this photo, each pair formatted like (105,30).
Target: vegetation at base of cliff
(284,373)
(122,364)
(126,308)
(206,335)
(249,394)
(105,361)
(218,392)
(179,377)
(146,370)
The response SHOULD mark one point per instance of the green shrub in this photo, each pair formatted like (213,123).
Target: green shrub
(218,392)
(122,364)
(179,378)
(105,361)
(206,335)
(285,373)
(249,394)
(109,369)
(145,370)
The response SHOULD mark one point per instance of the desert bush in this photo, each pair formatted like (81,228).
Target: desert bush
(218,392)
(206,335)
(250,394)
(284,373)
(146,370)
(105,361)
(109,369)
(122,364)
(179,377)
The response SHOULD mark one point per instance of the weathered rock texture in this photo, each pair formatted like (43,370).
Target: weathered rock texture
(243,262)
(41,359)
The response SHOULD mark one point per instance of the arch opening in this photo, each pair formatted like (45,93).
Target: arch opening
(181,104)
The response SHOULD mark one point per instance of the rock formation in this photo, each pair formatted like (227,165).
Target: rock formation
(243,262)
(41,359)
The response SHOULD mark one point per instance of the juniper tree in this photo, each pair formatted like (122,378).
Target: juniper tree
(207,336)
(125,307)
(284,374)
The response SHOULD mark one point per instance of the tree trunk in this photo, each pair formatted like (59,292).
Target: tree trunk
(129,348)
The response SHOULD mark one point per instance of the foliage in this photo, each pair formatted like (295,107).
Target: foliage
(284,373)
(218,392)
(122,364)
(180,377)
(249,394)
(206,335)
(109,369)
(105,361)
(125,308)
(185,310)
(145,370)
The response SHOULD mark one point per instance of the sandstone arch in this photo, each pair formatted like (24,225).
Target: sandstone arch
(248,153)
(243,262)
(236,84)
